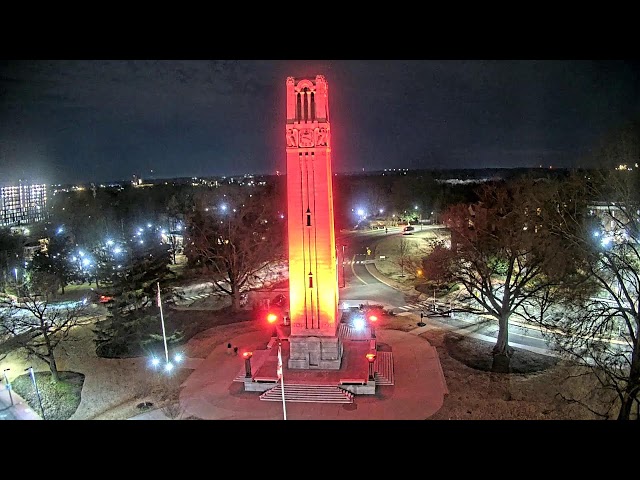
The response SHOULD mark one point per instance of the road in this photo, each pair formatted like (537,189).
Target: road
(363,287)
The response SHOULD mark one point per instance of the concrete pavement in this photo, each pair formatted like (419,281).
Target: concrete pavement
(13,406)
(210,392)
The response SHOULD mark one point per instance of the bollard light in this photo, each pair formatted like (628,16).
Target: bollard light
(247,363)
(371,357)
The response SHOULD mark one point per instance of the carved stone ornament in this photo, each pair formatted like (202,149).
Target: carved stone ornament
(321,137)
(292,137)
(306,137)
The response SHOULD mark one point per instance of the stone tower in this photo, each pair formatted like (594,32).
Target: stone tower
(313,272)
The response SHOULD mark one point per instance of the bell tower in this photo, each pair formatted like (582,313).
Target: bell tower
(313,272)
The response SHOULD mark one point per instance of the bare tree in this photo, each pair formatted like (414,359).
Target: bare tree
(404,249)
(602,330)
(503,253)
(236,239)
(39,326)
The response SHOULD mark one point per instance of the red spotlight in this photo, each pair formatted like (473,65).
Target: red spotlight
(373,318)
(247,354)
(272,317)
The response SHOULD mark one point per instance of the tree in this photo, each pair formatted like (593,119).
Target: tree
(503,253)
(133,285)
(406,257)
(602,330)
(11,251)
(235,238)
(39,326)
(435,266)
(53,263)
(175,219)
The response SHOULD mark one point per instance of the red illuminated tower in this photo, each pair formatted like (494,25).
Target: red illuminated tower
(313,280)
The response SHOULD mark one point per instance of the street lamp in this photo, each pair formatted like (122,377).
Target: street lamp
(8,386)
(371,357)
(35,385)
(344,280)
(373,318)
(247,363)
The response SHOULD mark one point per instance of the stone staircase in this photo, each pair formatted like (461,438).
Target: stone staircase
(383,368)
(348,332)
(307,394)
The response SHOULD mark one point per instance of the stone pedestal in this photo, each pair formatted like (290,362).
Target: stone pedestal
(315,353)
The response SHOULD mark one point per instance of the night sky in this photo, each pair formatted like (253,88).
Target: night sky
(99,120)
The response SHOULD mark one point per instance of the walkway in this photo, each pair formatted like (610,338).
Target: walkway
(417,392)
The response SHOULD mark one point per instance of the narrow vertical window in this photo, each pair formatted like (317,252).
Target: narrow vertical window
(305,105)
(310,280)
(308,217)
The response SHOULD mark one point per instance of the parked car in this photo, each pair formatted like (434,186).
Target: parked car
(407,230)
(101,298)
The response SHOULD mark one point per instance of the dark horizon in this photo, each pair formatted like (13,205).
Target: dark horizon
(80,121)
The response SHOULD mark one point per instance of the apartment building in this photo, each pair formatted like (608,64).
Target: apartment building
(23,204)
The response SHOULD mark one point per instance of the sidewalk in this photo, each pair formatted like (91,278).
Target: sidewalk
(418,391)
(19,410)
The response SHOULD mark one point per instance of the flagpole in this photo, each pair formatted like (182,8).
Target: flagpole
(164,334)
(281,375)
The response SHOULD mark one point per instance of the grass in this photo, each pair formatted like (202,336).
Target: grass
(143,338)
(59,400)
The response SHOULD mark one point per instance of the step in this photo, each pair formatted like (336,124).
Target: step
(383,368)
(308,394)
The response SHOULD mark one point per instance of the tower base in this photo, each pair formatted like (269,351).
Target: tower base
(315,353)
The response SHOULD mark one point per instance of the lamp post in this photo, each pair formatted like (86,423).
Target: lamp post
(344,280)
(373,318)
(8,384)
(35,385)
(247,363)
(168,365)
(371,357)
